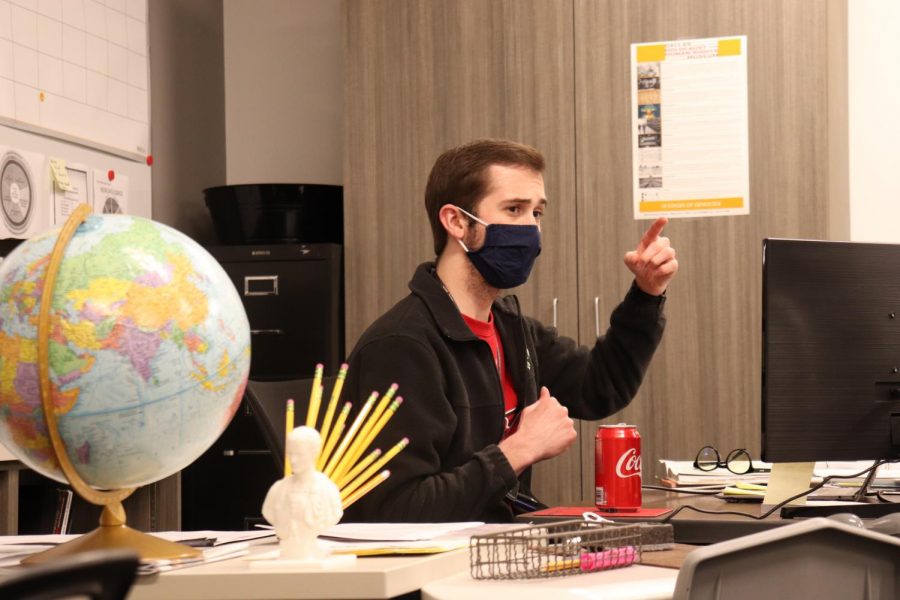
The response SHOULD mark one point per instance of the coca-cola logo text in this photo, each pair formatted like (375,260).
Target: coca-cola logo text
(629,464)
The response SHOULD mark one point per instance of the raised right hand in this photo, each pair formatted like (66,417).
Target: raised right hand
(545,430)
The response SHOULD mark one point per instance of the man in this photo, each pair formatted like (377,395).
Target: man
(476,376)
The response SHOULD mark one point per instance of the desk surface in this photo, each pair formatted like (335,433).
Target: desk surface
(637,582)
(369,577)
(692,527)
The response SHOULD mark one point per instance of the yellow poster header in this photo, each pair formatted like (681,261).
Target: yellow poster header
(697,204)
(651,53)
(730,47)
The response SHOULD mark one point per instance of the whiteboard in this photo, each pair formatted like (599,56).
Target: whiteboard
(77,70)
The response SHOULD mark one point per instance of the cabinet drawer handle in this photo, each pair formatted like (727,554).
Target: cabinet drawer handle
(261,285)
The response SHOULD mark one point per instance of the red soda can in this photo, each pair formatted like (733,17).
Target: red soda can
(617,468)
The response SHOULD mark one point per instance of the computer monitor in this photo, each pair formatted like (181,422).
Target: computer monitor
(831,351)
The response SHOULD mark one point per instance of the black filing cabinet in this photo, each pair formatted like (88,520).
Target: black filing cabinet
(293,295)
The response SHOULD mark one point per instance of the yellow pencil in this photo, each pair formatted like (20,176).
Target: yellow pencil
(349,475)
(333,436)
(332,404)
(370,485)
(338,459)
(375,430)
(357,448)
(362,478)
(315,397)
(288,428)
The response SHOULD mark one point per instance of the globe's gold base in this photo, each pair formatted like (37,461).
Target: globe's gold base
(114,534)
(108,537)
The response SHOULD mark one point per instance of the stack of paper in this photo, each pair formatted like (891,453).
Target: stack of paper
(220,545)
(684,473)
(369,539)
(752,486)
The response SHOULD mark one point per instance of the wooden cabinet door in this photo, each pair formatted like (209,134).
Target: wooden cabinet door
(704,384)
(424,76)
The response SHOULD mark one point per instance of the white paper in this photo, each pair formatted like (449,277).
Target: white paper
(396,531)
(65,201)
(110,196)
(690,151)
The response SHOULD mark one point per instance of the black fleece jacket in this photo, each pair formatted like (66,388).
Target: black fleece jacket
(452,411)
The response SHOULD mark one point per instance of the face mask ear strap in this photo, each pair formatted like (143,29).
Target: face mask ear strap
(463,245)
(470,215)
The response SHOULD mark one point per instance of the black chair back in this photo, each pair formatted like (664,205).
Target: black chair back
(98,575)
(268,401)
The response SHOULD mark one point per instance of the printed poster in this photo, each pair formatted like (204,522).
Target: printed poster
(690,150)
(76,192)
(110,193)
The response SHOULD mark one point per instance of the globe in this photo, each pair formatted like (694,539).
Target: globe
(149,352)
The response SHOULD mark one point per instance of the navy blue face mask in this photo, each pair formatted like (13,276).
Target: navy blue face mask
(507,255)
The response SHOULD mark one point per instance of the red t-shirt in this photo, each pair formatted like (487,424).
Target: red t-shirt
(488,333)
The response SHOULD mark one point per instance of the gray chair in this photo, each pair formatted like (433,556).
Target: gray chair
(815,558)
(98,575)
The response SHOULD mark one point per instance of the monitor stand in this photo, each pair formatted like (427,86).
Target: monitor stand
(866,510)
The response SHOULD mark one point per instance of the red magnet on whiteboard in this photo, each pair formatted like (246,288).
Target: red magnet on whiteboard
(111,174)
(149,160)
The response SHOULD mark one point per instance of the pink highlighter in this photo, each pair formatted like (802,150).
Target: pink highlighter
(610,558)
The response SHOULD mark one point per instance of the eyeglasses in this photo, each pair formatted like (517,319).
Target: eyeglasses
(738,461)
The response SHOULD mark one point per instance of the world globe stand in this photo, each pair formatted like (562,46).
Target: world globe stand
(112,533)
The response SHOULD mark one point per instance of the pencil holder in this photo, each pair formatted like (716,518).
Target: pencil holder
(554,550)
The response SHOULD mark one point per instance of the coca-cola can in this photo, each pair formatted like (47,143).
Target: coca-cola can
(617,467)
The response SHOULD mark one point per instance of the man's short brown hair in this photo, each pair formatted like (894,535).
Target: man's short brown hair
(459,176)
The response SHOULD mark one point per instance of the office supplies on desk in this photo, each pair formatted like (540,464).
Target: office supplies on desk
(130,444)
(310,498)
(654,536)
(315,397)
(332,406)
(553,549)
(396,532)
(288,428)
(208,555)
(684,473)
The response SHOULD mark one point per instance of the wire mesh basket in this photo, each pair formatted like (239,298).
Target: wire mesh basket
(553,550)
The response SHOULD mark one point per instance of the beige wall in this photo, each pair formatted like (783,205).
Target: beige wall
(187,111)
(283,91)
(874,124)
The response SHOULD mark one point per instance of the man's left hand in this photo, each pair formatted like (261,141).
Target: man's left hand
(653,261)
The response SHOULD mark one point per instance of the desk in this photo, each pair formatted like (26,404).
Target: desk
(439,576)
(370,577)
(637,582)
(691,527)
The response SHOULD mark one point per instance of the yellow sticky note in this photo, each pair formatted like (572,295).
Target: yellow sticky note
(788,479)
(60,174)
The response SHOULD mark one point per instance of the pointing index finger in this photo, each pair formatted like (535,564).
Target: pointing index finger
(653,232)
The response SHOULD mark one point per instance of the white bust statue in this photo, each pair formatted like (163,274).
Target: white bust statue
(303,504)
